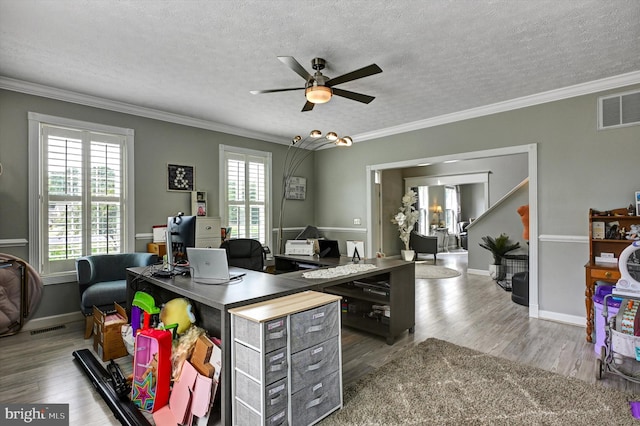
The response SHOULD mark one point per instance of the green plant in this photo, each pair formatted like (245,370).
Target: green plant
(499,247)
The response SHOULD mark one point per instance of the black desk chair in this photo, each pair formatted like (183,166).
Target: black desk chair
(245,253)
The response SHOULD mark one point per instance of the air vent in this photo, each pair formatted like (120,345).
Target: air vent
(46,330)
(619,110)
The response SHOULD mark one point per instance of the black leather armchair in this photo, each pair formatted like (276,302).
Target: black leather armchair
(245,253)
(424,244)
(462,234)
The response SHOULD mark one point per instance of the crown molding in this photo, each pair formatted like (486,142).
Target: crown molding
(111,105)
(512,104)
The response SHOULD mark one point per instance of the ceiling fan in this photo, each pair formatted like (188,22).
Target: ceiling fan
(319,88)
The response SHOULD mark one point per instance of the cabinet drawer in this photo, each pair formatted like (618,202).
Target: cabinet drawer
(311,365)
(317,400)
(249,391)
(251,361)
(275,333)
(314,326)
(605,274)
(244,416)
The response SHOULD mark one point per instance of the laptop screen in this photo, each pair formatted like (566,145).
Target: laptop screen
(209,265)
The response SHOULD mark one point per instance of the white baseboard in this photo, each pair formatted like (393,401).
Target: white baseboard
(46,322)
(564,318)
(478,272)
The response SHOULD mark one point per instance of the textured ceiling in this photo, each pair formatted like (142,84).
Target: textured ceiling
(200,59)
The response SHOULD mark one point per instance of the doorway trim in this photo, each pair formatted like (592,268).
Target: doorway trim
(532,161)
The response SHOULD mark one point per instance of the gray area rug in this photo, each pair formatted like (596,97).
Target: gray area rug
(426,270)
(439,383)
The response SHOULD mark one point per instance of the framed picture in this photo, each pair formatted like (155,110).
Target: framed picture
(637,203)
(296,188)
(180,178)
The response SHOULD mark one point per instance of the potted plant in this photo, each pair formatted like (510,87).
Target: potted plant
(406,218)
(498,247)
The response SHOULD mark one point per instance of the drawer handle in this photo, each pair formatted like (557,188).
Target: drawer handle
(317,401)
(315,328)
(313,367)
(278,367)
(607,274)
(275,335)
(207,227)
(276,400)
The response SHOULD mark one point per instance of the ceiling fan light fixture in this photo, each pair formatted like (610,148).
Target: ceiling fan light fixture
(344,141)
(318,94)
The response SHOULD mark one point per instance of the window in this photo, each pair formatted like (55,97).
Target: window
(245,200)
(79,181)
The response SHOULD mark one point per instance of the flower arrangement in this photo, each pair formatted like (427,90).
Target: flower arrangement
(406,217)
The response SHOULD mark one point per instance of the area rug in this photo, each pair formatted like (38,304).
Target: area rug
(426,270)
(436,382)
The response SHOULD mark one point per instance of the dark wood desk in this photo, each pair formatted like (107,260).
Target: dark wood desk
(288,263)
(211,303)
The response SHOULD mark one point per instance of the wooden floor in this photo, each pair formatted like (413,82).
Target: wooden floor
(469,310)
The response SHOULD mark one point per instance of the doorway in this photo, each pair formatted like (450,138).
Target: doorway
(373,208)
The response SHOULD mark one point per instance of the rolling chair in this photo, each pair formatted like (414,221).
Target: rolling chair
(102,280)
(245,253)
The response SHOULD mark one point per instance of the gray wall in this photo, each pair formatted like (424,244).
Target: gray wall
(502,219)
(156,144)
(471,200)
(578,167)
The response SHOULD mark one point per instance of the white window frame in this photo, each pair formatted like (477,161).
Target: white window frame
(36,200)
(224,205)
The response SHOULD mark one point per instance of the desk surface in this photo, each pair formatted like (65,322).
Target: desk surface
(258,286)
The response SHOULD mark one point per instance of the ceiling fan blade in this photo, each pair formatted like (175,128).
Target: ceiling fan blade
(257,92)
(365,99)
(308,106)
(295,65)
(354,75)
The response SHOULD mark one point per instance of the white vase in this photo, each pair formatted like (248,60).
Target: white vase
(407,255)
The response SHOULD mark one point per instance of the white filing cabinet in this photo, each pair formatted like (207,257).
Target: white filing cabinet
(286,360)
(208,232)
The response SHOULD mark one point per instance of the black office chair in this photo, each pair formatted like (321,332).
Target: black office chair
(245,253)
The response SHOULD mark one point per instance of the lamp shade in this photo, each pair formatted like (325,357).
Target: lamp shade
(318,94)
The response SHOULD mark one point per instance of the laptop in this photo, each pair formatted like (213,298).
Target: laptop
(209,266)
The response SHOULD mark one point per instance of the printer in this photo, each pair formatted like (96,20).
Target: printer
(300,247)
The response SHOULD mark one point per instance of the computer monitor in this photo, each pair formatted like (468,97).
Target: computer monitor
(328,248)
(181,233)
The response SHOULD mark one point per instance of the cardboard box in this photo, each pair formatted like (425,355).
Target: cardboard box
(107,337)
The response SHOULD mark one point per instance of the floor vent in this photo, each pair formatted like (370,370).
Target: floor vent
(46,330)
(619,110)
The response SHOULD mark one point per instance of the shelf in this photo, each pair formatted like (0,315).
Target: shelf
(370,325)
(614,217)
(604,240)
(357,294)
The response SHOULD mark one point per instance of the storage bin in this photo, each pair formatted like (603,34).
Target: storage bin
(613,305)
